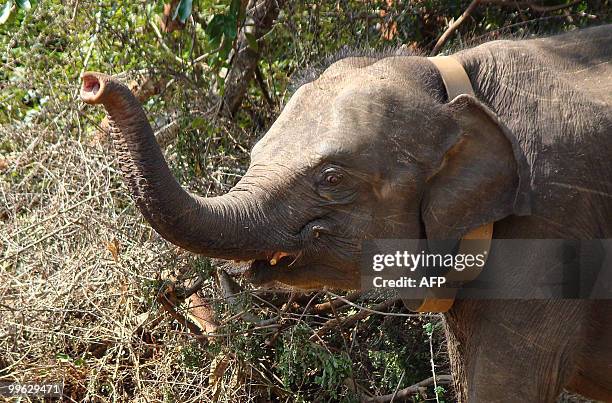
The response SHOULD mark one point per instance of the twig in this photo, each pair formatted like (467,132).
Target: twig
(433,366)
(406,393)
(531,5)
(63,211)
(336,303)
(262,85)
(163,43)
(39,240)
(167,299)
(230,288)
(395,392)
(363,308)
(453,27)
(74,11)
(348,321)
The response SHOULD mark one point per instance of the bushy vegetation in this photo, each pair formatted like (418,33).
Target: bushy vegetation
(90,295)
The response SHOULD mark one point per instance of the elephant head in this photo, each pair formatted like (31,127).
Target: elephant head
(370,149)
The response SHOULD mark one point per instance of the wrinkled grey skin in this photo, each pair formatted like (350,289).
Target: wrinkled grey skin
(373,149)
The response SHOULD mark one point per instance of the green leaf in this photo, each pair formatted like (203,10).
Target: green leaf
(214,28)
(429,328)
(229,27)
(25,4)
(235,7)
(198,123)
(6,11)
(183,10)
(62,357)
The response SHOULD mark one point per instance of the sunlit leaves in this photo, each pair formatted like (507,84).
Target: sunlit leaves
(9,7)
(222,31)
(25,4)
(224,24)
(6,11)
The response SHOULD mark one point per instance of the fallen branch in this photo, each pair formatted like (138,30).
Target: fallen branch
(406,393)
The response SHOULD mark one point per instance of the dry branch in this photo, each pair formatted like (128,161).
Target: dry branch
(169,301)
(406,393)
(336,303)
(531,5)
(475,3)
(453,27)
(350,320)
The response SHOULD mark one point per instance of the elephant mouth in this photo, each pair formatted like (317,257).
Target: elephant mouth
(278,260)
(260,271)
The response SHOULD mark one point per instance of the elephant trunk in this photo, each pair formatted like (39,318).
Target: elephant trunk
(224,227)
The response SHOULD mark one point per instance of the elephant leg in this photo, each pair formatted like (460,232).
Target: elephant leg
(515,351)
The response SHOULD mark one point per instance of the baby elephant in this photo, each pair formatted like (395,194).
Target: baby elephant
(375,148)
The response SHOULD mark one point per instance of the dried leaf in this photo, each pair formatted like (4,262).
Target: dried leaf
(114,247)
(217,368)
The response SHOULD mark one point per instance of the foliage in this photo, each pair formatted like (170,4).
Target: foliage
(299,359)
(9,7)
(81,282)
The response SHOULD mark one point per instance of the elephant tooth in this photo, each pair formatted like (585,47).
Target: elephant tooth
(277,256)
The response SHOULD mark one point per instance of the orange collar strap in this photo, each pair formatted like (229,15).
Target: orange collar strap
(457,82)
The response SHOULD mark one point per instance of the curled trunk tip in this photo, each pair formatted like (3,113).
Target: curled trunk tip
(93,87)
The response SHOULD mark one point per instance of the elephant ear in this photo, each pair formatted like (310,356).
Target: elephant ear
(483,176)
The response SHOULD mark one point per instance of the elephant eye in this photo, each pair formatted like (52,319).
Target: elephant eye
(332,177)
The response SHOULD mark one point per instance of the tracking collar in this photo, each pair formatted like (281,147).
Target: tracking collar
(457,82)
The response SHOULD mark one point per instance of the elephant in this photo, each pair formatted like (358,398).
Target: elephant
(373,148)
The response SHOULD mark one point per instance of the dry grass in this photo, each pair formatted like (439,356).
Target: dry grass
(78,276)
